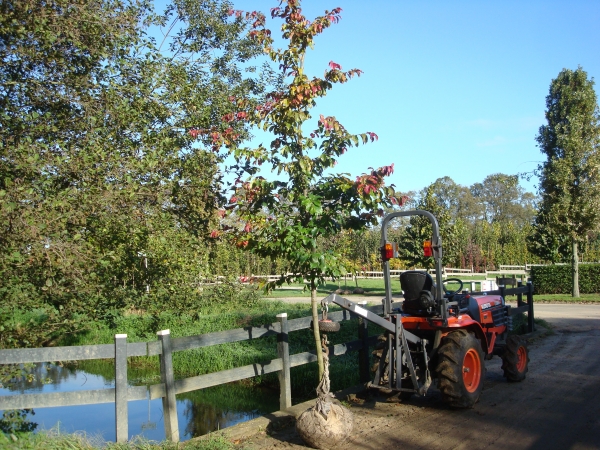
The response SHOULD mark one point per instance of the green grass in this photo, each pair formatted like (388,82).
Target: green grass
(520,324)
(370,285)
(375,287)
(566,298)
(54,440)
(145,370)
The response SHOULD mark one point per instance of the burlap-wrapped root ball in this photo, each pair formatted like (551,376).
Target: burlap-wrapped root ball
(325,433)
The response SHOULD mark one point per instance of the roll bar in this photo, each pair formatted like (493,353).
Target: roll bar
(436,243)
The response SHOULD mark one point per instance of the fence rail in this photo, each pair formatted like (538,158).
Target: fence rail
(169,387)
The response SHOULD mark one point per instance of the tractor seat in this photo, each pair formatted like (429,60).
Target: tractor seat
(419,293)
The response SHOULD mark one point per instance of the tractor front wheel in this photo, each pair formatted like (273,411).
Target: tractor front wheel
(515,359)
(460,369)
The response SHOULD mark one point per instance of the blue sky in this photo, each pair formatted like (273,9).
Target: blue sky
(452,88)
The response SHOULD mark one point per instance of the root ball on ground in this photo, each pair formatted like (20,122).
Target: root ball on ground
(324,433)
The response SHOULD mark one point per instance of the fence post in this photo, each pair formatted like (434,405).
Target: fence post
(167,377)
(530,323)
(520,294)
(501,289)
(283,352)
(121,419)
(363,353)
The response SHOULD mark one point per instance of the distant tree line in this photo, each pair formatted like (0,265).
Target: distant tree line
(483,226)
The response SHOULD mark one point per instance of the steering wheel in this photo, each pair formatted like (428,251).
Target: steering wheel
(452,280)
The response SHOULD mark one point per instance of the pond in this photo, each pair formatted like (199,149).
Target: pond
(198,412)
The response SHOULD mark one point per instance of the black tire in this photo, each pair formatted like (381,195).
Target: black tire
(327,326)
(515,359)
(461,369)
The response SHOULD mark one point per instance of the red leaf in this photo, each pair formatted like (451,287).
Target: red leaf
(334,66)
(387,170)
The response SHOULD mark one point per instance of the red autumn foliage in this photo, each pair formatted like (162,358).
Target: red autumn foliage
(369,183)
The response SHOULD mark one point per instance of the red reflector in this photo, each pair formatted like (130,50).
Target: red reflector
(388,251)
(427,250)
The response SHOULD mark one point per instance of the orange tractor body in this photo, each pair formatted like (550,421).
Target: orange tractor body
(439,334)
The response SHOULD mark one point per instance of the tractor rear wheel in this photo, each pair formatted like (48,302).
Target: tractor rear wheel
(460,369)
(515,359)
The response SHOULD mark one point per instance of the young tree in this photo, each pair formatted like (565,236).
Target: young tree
(570,178)
(302,201)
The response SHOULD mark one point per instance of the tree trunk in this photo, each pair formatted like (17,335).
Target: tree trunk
(315,319)
(575,267)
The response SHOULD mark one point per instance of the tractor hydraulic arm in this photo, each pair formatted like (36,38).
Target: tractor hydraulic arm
(368,315)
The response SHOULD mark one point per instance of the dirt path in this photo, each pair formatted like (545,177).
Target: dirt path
(556,407)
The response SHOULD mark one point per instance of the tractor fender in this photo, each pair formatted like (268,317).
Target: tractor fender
(466,323)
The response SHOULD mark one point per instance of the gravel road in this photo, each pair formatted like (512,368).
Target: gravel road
(556,407)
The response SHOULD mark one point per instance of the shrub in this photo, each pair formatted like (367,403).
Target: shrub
(557,279)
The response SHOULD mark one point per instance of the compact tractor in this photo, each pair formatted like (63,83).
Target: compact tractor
(437,333)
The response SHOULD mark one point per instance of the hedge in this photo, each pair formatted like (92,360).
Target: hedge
(558,279)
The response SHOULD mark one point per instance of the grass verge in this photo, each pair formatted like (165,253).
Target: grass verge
(370,286)
(145,370)
(54,440)
(565,298)
(375,287)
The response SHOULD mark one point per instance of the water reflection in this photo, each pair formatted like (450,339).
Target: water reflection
(50,377)
(198,412)
(214,409)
